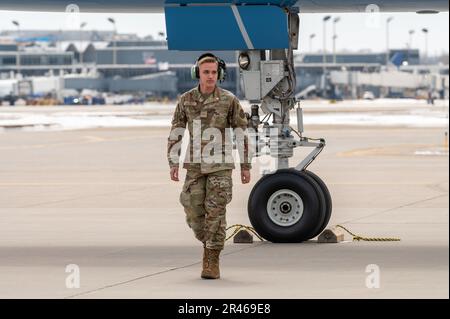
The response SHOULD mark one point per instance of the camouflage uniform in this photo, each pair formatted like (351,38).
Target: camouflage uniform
(208,185)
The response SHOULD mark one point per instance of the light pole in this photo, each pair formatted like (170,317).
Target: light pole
(425,31)
(311,37)
(410,42)
(17,24)
(324,69)
(161,35)
(335,20)
(82,25)
(324,60)
(411,33)
(387,39)
(114,40)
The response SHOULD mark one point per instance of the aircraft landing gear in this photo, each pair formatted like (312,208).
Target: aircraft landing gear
(288,204)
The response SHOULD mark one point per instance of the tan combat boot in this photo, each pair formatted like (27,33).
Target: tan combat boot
(205,260)
(211,264)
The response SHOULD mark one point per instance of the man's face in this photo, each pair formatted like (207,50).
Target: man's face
(208,74)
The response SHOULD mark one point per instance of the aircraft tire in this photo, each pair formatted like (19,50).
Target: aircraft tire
(328,202)
(288,206)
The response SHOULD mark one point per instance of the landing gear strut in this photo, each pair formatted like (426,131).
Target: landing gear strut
(287,204)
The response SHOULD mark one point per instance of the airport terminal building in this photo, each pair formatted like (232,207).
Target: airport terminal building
(100,61)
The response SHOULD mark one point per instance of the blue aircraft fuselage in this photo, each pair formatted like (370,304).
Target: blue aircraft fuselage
(226,24)
(306,6)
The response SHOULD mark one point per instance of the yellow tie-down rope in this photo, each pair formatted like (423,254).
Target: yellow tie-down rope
(360,238)
(238,227)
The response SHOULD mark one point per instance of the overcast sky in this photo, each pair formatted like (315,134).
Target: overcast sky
(355,31)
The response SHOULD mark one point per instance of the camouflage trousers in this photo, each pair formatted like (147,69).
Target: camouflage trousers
(204,198)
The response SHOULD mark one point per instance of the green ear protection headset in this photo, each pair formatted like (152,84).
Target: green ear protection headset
(221,70)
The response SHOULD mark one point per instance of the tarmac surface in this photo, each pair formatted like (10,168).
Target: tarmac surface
(101,199)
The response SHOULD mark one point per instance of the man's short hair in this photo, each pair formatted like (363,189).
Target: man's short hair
(207,59)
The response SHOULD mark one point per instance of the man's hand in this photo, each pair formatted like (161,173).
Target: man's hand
(174,174)
(245,176)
